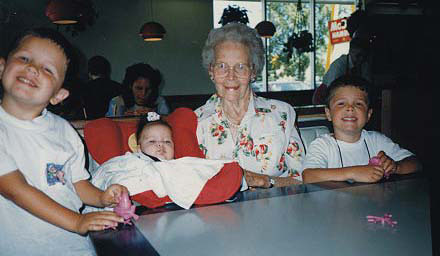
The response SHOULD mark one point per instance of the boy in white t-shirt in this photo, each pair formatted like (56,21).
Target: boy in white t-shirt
(43,182)
(345,155)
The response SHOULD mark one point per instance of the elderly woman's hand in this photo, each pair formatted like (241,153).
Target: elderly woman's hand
(263,181)
(285,181)
(256,180)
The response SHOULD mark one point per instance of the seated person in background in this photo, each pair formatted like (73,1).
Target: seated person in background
(152,168)
(346,154)
(43,182)
(235,123)
(355,62)
(100,89)
(140,93)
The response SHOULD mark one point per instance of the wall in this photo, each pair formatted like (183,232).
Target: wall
(115,36)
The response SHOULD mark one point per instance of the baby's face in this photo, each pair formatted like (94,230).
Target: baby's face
(156,140)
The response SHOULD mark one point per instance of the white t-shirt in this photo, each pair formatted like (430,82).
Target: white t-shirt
(323,152)
(50,155)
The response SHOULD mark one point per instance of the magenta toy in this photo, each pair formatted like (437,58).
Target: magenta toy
(386,219)
(125,209)
(374,161)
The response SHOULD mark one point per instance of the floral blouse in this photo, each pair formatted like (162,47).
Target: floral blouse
(267,141)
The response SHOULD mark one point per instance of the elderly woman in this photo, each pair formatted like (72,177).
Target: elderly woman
(236,124)
(140,93)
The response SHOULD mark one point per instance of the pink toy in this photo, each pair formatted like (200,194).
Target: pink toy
(125,209)
(376,162)
(385,219)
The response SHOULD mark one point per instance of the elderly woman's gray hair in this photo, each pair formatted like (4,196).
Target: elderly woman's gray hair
(235,32)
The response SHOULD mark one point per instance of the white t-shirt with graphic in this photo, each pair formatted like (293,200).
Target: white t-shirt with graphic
(50,155)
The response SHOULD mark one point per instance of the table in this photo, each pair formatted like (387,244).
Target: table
(326,218)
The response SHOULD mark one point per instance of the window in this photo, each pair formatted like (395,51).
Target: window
(302,71)
(325,52)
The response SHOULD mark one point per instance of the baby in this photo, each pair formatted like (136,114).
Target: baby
(154,138)
(152,167)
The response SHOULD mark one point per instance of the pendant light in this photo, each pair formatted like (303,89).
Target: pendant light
(265,29)
(152,31)
(62,12)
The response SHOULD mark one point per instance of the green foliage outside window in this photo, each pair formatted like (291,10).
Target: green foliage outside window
(283,16)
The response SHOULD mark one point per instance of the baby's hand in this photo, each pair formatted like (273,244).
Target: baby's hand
(367,173)
(96,221)
(387,163)
(110,197)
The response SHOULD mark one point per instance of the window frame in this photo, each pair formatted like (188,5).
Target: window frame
(312,29)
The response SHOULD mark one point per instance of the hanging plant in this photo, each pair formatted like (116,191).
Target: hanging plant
(302,41)
(234,14)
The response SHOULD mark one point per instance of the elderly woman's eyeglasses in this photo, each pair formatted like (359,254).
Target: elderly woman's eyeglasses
(240,69)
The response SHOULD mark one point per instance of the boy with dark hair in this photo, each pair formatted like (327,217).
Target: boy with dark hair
(345,155)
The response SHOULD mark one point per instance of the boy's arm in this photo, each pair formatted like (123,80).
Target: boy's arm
(312,175)
(93,196)
(13,186)
(390,151)
(408,165)
(89,194)
(364,173)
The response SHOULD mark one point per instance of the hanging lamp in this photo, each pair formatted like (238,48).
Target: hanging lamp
(152,31)
(62,12)
(265,29)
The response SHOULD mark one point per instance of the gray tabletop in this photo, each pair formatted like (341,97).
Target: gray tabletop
(324,222)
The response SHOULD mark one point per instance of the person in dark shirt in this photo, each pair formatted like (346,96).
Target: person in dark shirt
(100,89)
(140,93)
